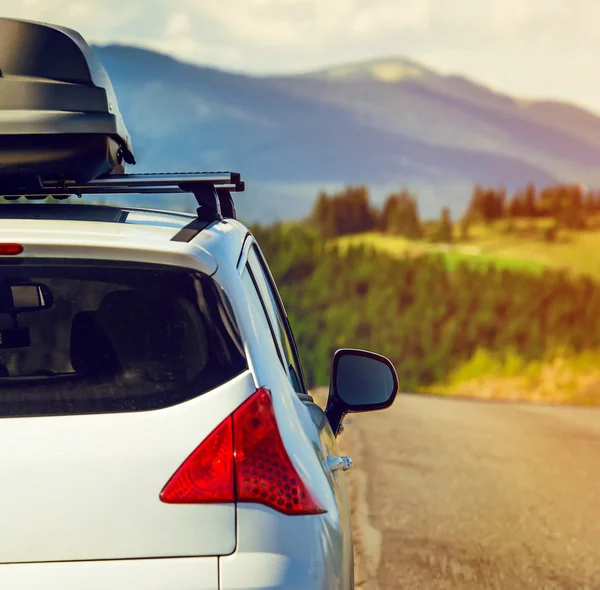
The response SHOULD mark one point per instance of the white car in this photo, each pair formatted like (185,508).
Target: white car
(156,428)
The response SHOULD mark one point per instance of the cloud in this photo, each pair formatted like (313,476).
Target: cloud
(511,43)
(268,34)
(178,24)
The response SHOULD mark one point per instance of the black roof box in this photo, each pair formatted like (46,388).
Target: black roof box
(59,117)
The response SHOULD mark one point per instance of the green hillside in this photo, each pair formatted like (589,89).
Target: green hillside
(557,377)
(431,320)
(503,304)
(524,247)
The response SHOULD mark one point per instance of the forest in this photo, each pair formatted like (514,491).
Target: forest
(424,316)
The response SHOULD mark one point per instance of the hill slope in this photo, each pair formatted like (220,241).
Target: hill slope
(387,123)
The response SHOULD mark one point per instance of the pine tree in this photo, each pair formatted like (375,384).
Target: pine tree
(529,206)
(401,216)
(444,232)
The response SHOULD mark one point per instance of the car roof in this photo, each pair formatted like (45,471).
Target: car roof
(125,228)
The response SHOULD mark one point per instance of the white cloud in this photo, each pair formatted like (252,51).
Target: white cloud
(92,18)
(508,42)
(177,24)
(79,10)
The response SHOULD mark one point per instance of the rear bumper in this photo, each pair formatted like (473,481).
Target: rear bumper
(247,571)
(270,571)
(136,574)
(274,552)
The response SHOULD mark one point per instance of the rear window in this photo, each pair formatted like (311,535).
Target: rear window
(82,338)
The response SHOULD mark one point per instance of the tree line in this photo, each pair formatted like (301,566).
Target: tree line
(350,211)
(567,204)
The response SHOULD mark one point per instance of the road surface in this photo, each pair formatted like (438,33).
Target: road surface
(466,494)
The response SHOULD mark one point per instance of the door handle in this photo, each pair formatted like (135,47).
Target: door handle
(335,463)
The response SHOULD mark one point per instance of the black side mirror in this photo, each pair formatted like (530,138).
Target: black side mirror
(361,381)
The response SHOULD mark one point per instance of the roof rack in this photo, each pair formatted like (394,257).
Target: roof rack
(211,189)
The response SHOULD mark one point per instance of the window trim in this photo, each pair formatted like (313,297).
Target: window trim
(243,258)
(280,309)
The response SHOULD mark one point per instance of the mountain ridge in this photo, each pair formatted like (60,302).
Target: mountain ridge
(400,59)
(291,134)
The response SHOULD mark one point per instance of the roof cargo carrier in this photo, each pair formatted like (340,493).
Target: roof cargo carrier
(59,117)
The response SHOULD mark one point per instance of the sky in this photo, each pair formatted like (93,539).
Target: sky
(528,48)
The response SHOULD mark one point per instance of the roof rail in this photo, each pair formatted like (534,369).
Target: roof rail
(211,189)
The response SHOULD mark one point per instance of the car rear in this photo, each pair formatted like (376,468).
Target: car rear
(140,451)
(128,370)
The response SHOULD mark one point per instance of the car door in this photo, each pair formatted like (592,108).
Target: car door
(323,438)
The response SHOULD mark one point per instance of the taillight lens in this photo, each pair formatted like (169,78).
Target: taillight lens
(247,443)
(11,249)
(206,476)
(264,472)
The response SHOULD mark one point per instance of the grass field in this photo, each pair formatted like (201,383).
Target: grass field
(562,379)
(523,247)
(454,254)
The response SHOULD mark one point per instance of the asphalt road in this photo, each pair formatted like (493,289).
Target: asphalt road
(469,494)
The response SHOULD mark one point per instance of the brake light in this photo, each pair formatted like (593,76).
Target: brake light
(10,249)
(264,472)
(243,460)
(206,476)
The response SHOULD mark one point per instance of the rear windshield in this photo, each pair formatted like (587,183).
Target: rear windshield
(82,338)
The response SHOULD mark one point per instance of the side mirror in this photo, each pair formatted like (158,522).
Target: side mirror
(361,381)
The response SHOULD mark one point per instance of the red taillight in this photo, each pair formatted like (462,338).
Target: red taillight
(264,473)
(206,476)
(10,249)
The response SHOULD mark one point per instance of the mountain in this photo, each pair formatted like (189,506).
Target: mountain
(386,123)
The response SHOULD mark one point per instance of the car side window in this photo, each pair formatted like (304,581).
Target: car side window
(279,322)
(255,301)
